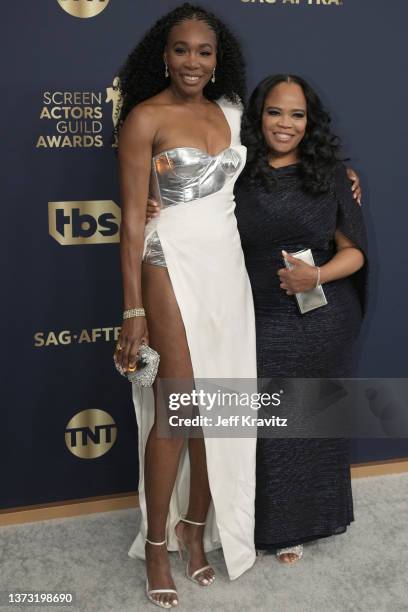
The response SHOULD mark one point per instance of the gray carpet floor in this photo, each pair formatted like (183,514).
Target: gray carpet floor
(365,569)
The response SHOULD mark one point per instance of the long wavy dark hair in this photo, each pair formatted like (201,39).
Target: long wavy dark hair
(318,151)
(142,75)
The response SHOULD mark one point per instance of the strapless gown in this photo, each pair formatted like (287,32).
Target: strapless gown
(196,238)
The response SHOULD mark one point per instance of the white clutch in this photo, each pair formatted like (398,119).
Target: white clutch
(308,300)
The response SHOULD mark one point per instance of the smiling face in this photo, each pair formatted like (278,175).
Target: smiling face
(284,120)
(191,55)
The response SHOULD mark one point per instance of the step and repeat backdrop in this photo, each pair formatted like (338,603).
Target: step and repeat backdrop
(69,429)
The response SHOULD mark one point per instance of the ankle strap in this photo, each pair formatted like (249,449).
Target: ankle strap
(191,522)
(156,543)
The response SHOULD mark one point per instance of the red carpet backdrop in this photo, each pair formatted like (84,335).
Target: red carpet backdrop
(70,429)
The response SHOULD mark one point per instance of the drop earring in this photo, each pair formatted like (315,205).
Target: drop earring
(213,77)
(166,71)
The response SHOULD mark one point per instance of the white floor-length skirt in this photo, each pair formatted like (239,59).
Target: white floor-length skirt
(206,266)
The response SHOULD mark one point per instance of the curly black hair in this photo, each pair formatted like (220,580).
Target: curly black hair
(142,75)
(318,151)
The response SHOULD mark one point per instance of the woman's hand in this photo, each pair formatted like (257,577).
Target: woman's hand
(152,209)
(355,187)
(302,277)
(134,333)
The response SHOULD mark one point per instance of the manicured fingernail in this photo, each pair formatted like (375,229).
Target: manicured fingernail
(284,253)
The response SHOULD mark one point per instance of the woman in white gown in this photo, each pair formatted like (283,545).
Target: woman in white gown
(179,137)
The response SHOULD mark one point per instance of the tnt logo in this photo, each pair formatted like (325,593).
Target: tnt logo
(90,433)
(85,222)
(83,8)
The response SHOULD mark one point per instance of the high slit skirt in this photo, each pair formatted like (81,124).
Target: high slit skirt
(205,262)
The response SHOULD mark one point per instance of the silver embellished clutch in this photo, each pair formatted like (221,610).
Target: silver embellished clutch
(146,367)
(315,298)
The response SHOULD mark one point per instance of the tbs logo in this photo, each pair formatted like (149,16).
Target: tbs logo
(85,222)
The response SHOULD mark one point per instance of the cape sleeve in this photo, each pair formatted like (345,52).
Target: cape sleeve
(350,222)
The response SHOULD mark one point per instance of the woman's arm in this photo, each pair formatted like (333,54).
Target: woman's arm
(347,260)
(351,246)
(135,153)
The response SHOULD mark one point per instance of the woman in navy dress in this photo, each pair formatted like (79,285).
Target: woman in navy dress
(295,194)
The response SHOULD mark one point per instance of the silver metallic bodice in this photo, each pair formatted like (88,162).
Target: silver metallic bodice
(185,174)
(182,175)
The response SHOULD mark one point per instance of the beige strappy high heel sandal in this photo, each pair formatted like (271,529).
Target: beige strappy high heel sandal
(182,548)
(150,592)
(292,550)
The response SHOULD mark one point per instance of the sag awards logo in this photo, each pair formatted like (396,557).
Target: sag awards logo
(84,222)
(83,8)
(90,433)
(75,119)
(64,337)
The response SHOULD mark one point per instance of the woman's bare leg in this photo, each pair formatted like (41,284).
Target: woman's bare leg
(199,501)
(162,456)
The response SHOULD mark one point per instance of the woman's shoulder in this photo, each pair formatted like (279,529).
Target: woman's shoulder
(143,111)
(340,174)
(233,112)
(151,104)
(142,122)
(232,106)
(339,168)
(236,103)
(148,113)
(341,183)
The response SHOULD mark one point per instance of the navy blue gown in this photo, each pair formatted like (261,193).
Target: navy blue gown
(303,486)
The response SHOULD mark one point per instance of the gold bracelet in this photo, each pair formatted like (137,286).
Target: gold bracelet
(134,312)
